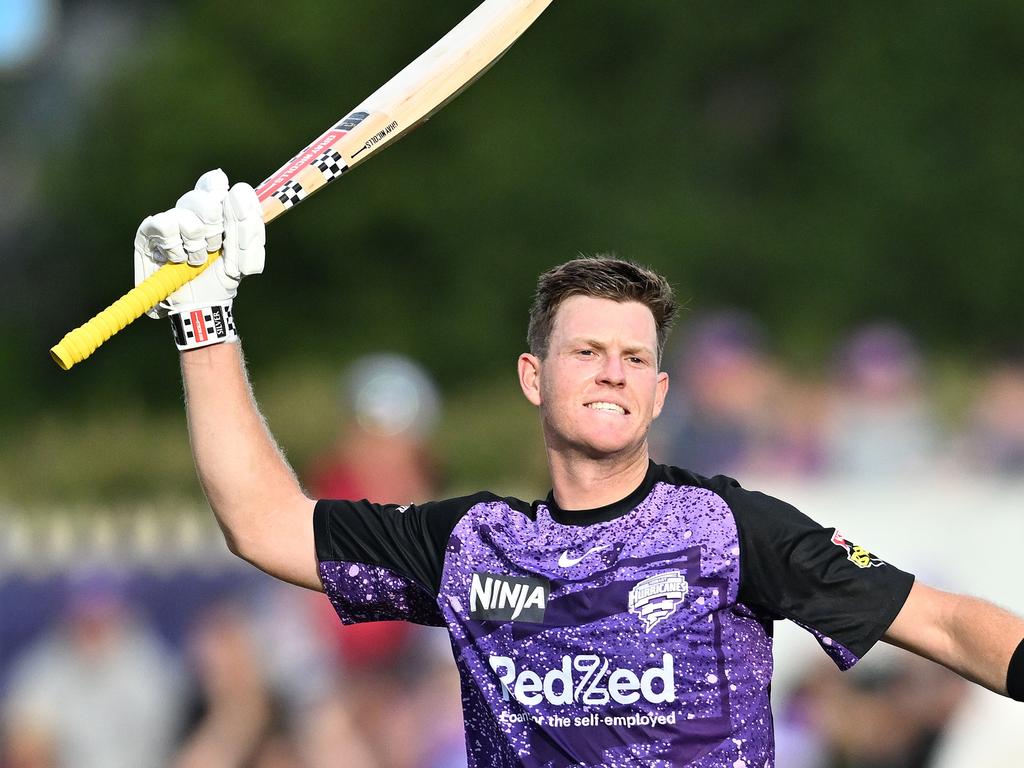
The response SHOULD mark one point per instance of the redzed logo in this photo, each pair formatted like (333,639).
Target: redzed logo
(198,324)
(588,679)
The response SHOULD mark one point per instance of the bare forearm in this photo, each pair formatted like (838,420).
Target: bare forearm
(971,636)
(265,516)
(985,637)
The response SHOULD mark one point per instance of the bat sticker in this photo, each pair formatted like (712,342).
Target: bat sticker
(351,121)
(378,136)
(290,193)
(330,164)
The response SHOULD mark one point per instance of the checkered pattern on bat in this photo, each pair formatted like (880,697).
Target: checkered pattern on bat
(330,164)
(290,193)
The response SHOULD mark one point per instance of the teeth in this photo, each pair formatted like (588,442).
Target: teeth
(610,407)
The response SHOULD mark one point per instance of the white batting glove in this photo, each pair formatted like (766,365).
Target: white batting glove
(208,218)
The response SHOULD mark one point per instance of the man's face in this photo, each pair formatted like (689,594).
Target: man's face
(599,386)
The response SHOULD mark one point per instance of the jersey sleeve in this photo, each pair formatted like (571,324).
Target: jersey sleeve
(792,567)
(382,562)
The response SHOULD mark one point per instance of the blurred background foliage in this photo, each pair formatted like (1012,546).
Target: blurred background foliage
(817,165)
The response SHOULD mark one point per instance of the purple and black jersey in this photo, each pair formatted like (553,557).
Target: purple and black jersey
(634,634)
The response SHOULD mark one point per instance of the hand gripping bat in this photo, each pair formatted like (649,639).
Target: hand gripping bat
(408,99)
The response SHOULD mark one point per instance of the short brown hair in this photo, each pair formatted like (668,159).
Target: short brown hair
(603,277)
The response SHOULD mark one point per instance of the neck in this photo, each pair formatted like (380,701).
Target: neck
(584,483)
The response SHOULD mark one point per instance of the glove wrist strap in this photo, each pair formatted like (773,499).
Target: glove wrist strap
(203,325)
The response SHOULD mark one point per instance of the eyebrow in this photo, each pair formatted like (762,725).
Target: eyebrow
(629,350)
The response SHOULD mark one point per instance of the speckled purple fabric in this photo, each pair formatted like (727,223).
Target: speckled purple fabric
(361,592)
(644,656)
(843,657)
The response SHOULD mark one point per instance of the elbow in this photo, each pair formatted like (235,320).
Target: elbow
(234,547)
(238,545)
(241,548)
(276,538)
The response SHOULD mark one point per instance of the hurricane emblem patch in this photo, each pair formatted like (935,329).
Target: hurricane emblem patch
(656,598)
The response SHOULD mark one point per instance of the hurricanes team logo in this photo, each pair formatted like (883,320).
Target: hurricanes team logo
(656,598)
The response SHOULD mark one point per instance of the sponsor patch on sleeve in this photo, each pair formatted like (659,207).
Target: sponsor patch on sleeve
(854,553)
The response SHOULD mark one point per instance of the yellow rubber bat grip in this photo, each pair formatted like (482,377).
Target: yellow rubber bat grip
(85,339)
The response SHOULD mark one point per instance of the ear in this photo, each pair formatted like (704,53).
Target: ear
(661,389)
(529,377)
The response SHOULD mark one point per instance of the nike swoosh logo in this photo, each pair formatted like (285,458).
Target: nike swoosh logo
(564,561)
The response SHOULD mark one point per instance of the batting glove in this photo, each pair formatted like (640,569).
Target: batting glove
(210,217)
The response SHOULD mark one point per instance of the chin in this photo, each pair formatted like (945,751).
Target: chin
(604,446)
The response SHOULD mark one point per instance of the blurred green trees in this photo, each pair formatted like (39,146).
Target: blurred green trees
(818,165)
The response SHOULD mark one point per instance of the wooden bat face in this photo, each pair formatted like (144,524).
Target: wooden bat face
(405,101)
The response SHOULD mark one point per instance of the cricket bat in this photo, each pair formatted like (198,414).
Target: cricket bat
(408,99)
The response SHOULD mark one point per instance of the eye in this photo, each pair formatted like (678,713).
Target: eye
(636,360)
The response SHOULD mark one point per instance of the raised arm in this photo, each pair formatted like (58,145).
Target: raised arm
(972,637)
(264,514)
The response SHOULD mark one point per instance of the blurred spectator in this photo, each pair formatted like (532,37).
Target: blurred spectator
(723,413)
(880,422)
(802,412)
(406,711)
(890,711)
(234,718)
(98,691)
(995,431)
(437,702)
(390,408)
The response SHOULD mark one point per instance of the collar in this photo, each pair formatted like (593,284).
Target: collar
(608,511)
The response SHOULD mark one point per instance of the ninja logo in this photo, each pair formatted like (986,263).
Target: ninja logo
(508,598)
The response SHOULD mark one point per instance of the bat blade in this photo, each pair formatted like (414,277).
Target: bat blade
(409,98)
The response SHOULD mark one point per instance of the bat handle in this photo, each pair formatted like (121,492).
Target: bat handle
(85,339)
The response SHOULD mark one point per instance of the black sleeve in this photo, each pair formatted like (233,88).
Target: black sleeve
(409,540)
(381,562)
(792,567)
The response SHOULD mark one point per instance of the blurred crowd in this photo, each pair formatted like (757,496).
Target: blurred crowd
(871,415)
(264,676)
(261,675)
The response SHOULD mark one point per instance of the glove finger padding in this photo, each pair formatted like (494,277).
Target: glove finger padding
(215,183)
(202,224)
(209,217)
(162,233)
(158,241)
(245,234)
(146,263)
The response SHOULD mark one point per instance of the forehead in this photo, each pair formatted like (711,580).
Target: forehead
(604,319)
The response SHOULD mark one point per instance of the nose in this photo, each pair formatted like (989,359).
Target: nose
(613,372)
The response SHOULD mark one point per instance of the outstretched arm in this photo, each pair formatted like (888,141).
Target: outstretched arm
(972,637)
(266,517)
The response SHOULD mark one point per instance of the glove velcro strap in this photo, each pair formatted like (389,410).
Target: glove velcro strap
(202,326)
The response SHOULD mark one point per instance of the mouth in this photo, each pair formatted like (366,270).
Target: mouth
(606,407)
